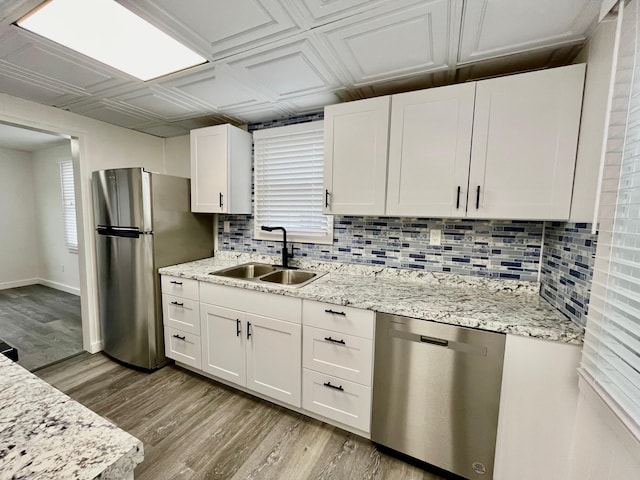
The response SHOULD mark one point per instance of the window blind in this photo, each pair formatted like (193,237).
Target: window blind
(68,206)
(288,183)
(611,354)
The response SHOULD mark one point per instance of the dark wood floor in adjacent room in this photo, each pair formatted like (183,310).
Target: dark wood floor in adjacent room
(193,428)
(44,324)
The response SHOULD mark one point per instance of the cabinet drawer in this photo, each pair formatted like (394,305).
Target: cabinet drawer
(345,402)
(354,321)
(259,303)
(183,347)
(180,287)
(181,313)
(338,354)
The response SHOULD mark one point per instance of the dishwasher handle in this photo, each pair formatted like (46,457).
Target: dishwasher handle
(434,341)
(462,347)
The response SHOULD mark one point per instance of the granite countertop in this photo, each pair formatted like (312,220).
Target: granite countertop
(507,306)
(44,434)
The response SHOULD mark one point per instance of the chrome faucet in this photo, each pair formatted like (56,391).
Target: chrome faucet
(285,252)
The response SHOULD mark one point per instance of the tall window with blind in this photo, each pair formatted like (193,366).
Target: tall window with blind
(288,183)
(611,354)
(68,206)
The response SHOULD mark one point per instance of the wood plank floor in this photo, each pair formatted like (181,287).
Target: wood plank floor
(44,324)
(194,428)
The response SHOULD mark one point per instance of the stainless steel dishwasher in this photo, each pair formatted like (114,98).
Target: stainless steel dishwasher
(436,393)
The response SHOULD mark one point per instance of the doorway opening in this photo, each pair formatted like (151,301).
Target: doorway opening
(40,303)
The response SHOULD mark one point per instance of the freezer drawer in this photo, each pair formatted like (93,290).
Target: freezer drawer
(436,393)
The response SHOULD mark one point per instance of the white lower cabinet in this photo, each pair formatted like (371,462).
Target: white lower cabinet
(260,353)
(337,356)
(273,358)
(338,399)
(223,343)
(260,342)
(182,346)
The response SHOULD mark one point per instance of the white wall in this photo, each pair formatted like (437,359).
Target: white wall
(177,156)
(58,268)
(18,246)
(99,145)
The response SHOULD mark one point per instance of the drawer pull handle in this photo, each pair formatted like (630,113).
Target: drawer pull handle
(329,339)
(178,304)
(175,283)
(179,337)
(238,328)
(248,330)
(333,312)
(328,384)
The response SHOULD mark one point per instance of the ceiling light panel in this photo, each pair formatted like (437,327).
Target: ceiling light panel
(109,33)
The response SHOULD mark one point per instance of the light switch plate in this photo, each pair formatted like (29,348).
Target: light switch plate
(435,237)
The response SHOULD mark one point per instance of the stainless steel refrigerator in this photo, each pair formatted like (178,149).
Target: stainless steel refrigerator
(143,222)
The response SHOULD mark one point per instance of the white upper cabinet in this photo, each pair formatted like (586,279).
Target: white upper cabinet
(221,170)
(356,137)
(429,151)
(503,148)
(524,145)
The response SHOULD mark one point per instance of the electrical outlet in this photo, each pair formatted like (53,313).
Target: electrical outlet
(435,237)
(226,226)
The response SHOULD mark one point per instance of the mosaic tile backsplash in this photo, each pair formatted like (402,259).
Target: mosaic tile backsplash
(503,249)
(567,268)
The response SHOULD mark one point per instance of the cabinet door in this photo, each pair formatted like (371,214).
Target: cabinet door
(223,343)
(524,144)
(429,151)
(274,358)
(209,169)
(356,137)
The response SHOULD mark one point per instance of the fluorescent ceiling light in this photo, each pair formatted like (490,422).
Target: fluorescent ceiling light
(106,31)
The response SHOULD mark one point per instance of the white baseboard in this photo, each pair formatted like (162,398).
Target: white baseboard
(19,283)
(95,347)
(59,286)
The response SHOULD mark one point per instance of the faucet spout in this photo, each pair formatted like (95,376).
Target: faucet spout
(285,252)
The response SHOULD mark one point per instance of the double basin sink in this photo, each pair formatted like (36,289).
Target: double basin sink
(263,272)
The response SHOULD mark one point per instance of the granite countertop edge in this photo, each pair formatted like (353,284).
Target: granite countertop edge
(502,306)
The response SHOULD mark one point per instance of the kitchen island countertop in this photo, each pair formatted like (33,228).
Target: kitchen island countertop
(505,306)
(44,434)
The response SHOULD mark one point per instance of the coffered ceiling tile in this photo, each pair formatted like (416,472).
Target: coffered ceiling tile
(390,45)
(491,28)
(164,130)
(286,70)
(315,102)
(114,114)
(156,101)
(320,12)
(12,83)
(221,26)
(215,90)
(205,121)
(47,63)
(260,113)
